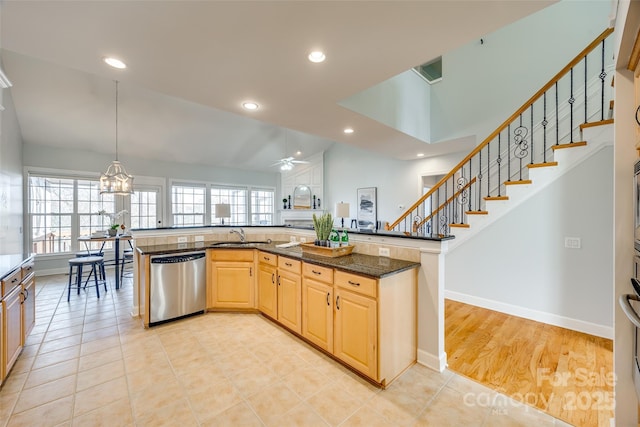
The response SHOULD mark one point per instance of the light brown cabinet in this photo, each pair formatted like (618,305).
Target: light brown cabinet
(289,304)
(317,305)
(230,279)
(267,284)
(28,305)
(12,328)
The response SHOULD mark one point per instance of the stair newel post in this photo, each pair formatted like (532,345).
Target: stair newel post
(602,77)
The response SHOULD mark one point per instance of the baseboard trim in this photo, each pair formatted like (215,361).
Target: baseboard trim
(432,361)
(538,316)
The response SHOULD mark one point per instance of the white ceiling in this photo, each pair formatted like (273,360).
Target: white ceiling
(192,64)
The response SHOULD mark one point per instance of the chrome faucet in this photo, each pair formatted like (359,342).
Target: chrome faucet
(240,233)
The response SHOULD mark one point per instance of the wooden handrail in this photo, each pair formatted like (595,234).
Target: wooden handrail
(506,123)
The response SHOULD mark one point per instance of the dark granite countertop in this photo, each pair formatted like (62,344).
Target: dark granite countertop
(366,265)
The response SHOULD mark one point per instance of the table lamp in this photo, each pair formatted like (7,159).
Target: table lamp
(342,211)
(222,211)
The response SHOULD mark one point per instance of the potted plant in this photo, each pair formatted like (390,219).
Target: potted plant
(323,226)
(113,229)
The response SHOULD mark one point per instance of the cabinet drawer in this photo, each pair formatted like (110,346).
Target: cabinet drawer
(322,274)
(27,269)
(289,264)
(232,254)
(11,281)
(267,258)
(360,284)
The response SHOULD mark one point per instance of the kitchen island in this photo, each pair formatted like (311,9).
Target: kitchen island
(359,309)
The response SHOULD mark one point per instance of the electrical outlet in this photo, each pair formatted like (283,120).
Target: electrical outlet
(198,239)
(292,238)
(383,252)
(572,242)
(303,240)
(182,239)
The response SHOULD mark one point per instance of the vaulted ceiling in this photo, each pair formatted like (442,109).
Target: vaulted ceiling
(191,64)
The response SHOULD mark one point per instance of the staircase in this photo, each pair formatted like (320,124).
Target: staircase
(561,125)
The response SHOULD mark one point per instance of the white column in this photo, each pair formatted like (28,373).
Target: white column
(431,307)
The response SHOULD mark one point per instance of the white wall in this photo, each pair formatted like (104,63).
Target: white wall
(520,263)
(398,182)
(483,84)
(11,233)
(401,102)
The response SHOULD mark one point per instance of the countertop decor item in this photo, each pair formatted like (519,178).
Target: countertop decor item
(338,251)
(323,226)
(222,211)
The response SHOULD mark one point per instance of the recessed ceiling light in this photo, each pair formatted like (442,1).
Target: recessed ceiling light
(115,63)
(420,155)
(317,56)
(249,105)
(348,130)
(298,153)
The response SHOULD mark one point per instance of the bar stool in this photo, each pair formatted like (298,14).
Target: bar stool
(127,259)
(97,269)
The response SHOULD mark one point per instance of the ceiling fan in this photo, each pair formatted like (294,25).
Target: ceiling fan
(287,163)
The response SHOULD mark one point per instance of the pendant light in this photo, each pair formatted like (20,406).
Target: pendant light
(116,180)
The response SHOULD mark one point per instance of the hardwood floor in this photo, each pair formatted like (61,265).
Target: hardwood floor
(565,373)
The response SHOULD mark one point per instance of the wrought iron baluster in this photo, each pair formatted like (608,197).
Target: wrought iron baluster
(571,101)
(557,118)
(488,169)
(509,151)
(470,192)
(498,161)
(544,128)
(479,178)
(602,76)
(586,116)
(531,128)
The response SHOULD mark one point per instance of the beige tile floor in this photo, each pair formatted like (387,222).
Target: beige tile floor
(88,363)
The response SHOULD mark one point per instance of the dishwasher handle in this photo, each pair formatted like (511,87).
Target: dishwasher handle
(173,259)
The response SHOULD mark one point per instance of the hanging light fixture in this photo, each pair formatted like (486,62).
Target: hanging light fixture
(116,180)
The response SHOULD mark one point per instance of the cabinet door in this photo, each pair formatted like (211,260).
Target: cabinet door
(232,285)
(28,306)
(355,331)
(317,313)
(268,290)
(12,327)
(289,304)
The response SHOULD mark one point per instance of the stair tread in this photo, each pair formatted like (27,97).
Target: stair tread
(459,225)
(569,145)
(541,165)
(496,198)
(477,212)
(592,124)
(519,182)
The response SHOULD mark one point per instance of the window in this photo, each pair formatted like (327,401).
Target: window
(236,198)
(430,71)
(188,205)
(61,209)
(262,207)
(144,208)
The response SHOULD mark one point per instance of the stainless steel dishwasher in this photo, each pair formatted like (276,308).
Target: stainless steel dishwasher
(177,286)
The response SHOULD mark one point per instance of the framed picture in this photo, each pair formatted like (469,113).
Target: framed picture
(367,208)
